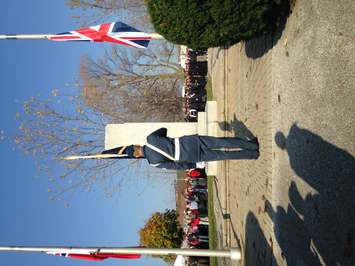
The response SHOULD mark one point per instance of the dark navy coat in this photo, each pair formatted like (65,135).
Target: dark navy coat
(189,150)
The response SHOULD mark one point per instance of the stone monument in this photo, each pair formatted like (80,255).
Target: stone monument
(136,133)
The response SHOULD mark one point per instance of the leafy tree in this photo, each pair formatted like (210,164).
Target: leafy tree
(162,230)
(208,23)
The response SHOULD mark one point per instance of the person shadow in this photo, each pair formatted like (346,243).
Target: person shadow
(237,127)
(293,236)
(317,229)
(257,249)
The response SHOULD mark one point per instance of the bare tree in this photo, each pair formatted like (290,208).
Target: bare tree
(96,10)
(106,6)
(50,130)
(128,79)
(139,85)
(124,85)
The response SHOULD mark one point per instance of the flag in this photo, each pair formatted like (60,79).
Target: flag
(115,32)
(95,256)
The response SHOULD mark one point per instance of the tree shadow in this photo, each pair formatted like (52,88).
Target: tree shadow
(257,250)
(237,127)
(257,47)
(319,228)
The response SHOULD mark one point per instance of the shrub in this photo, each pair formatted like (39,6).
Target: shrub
(209,23)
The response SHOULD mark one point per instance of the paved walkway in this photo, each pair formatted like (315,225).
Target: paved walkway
(295,205)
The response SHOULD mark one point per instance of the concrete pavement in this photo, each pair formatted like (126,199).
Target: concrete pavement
(295,92)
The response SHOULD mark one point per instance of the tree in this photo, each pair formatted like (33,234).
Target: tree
(162,230)
(124,77)
(106,5)
(96,10)
(142,85)
(209,23)
(62,125)
(125,85)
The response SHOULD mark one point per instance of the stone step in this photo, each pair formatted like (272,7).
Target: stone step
(202,123)
(212,127)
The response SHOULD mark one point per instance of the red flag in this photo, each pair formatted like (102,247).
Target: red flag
(96,256)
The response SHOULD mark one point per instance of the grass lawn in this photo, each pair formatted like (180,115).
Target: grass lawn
(212,231)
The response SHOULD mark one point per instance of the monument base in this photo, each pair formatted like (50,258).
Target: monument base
(208,125)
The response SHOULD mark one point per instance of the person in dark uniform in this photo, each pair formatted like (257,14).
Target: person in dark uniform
(188,152)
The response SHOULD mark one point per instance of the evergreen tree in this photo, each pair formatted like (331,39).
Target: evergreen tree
(209,23)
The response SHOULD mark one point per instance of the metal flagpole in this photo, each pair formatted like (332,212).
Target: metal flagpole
(232,253)
(25,36)
(154,36)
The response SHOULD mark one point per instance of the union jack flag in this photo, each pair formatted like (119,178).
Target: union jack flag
(115,32)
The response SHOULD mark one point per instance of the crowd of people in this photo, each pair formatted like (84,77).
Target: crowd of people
(194,92)
(196,222)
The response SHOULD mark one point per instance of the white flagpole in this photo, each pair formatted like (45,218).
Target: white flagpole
(153,36)
(232,253)
(25,36)
(94,156)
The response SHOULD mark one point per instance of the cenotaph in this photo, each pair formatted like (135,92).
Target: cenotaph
(136,133)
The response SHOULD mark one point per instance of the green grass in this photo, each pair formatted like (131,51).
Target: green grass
(212,231)
(209,89)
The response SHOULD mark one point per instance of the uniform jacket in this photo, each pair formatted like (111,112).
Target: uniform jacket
(189,150)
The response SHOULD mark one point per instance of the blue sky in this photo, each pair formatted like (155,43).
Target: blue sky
(28,217)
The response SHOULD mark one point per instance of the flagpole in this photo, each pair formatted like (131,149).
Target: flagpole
(93,156)
(25,36)
(153,36)
(232,253)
